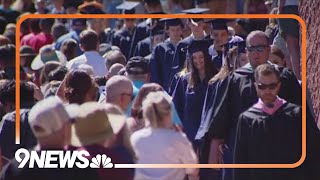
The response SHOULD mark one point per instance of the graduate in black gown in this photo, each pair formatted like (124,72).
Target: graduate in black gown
(233,52)
(129,35)
(237,93)
(161,62)
(191,89)
(232,61)
(219,34)
(269,132)
(145,47)
(196,26)
(152,7)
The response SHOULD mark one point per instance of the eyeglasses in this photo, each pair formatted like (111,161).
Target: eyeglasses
(258,48)
(271,86)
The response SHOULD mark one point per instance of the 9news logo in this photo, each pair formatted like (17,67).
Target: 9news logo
(61,159)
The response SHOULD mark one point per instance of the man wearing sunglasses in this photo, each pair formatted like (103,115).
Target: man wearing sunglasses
(269,132)
(237,93)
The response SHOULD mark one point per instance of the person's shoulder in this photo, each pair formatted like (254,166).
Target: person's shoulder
(74,60)
(185,41)
(285,72)
(249,116)
(161,45)
(179,137)
(251,112)
(186,77)
(120,32)
(145,41)
(142,25)
(109,30)
(292,108)
(62,38)
(139,134)
(11,116)
(243,71)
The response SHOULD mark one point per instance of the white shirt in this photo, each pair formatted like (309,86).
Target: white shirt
(92,58)
(162,146)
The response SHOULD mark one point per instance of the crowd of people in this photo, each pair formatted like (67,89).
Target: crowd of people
(155,91)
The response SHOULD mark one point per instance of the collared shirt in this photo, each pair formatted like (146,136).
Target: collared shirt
(92,58)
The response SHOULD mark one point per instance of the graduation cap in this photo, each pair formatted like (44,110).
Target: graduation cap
(196,11)
(171,21)
(231,44)
(240,44)
(128,7)
(157,30)
(198,45)
(219,24)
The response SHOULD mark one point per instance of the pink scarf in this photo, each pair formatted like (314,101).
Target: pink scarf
(263,107)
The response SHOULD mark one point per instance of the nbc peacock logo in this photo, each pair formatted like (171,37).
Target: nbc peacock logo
(101,161)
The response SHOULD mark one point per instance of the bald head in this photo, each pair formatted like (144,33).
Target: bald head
(119,91)
(257,33)
(115,68)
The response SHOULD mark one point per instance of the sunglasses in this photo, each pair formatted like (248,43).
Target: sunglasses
(271,86)
(259,48)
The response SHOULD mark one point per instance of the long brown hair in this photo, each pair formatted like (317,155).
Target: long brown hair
(210,70)
(228,66)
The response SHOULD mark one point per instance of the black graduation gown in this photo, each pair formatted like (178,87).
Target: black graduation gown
(143,47)
(217,60)
(161,64)
(211,95)
(189,102)
(127,41)
(107,36)
(269,139)
(236,94)
(144,29)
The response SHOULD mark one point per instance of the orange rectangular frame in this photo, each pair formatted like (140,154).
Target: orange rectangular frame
(254,16)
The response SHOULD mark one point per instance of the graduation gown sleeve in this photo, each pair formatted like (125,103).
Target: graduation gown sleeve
(155,65)
(179,96)
(241,149)
(290,87)
(219,115)
(143,48)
